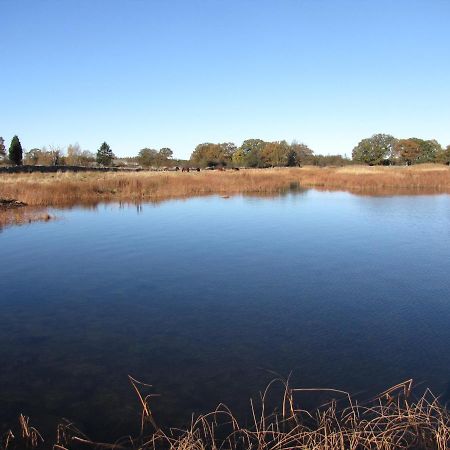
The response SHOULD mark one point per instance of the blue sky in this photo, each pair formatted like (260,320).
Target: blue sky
(177,73)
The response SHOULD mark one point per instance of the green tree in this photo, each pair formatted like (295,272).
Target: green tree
(428,150)
(249,153)
(147,157)
(374,150)
(105,155)
(166,153)
(228,150)
(2,149)
(15,151)
(163,157)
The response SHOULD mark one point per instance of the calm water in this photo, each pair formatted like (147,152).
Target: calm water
(207,299)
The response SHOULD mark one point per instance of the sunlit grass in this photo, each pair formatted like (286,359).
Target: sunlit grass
(66,189)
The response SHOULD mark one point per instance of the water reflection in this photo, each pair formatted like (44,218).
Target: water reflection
(22,216)
(26,215)
(206,299)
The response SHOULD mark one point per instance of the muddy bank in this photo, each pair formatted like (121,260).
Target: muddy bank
(10,204)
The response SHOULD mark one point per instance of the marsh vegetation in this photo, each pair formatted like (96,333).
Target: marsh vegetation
(68,189)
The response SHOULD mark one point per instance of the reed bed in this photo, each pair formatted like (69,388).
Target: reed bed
(68,189)
(393,420)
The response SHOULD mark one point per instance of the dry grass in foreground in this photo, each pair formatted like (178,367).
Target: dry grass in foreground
(68,189)
(391,421)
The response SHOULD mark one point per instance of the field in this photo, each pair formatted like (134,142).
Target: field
(68,189)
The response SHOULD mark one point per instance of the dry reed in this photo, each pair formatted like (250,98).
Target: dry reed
(68,189)
(393,420)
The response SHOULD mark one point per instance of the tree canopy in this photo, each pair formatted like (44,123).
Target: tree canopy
(407,151)
(259,153)
(15,151)
(208,154)
(385,149)
(105,155)
(249,153)
(374,150)
(149,157)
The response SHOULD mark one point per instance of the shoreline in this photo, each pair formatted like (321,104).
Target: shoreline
(72,188)
(25,196)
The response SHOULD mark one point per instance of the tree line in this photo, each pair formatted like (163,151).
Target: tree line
(54,156)
(252,153)
(379,149)
(384,149)
(75,156)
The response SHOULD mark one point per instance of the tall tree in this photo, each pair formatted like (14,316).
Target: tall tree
(15,151)
(209,154)
(300,154)
(163,157)
(228,149)
(105,155)
(249,153)
(147,157)
(428,150)
(2,148)
(374,150)
(166,153)
(277,154)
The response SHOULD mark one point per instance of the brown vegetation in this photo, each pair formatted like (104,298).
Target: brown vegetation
(393,420)
(68,189)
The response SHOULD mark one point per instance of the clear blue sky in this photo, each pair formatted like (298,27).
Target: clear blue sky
(177,73)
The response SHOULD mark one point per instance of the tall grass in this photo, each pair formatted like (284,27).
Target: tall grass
(67,189)
(393,420)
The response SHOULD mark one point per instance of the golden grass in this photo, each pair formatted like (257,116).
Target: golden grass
(393,420)
(68,189)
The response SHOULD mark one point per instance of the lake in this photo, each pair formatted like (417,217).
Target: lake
(208,299)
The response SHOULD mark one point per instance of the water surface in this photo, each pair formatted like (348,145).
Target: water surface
(207,299)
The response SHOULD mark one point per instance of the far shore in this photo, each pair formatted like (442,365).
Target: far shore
(72,188)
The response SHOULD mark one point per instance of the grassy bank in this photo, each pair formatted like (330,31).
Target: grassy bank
(67,189)
(393,420)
